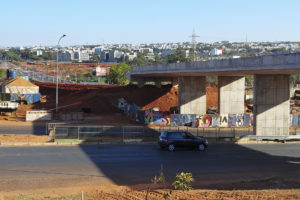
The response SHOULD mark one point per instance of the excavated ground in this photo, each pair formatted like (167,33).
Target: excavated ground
(102,100)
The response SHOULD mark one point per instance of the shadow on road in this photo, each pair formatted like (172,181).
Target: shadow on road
(248,166)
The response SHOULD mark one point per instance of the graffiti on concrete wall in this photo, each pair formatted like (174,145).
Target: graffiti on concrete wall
(192,120)
(216,121)
(149,116)
(205,120)
(239,120)
(223,120)
(183,120)
(231,120)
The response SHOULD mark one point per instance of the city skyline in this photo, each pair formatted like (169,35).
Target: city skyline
(34,23)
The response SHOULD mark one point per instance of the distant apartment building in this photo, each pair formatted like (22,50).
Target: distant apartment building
(81,56)
(107,56)
(38,52)
(150,56)
(216,52)
(118,54)
(131,56)
(111,55)
(64,56)
(146,50)
(104,56)
(97,50)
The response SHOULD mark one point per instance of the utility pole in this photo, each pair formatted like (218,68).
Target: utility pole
(56,104)
(194,43)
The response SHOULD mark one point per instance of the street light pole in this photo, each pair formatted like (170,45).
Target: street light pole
(57,72)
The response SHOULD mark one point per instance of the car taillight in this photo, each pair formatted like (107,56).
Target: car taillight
(165,140)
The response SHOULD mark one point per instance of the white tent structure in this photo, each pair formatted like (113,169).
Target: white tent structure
(19,86)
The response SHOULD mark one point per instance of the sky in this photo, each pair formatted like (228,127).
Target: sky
(42,22)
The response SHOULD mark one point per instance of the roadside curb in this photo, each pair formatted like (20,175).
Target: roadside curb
(83,143)
(18,144)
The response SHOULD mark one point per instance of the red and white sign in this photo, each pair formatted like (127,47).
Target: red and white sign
(101,71)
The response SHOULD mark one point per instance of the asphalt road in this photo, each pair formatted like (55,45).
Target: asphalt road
(22,168)
(23,129)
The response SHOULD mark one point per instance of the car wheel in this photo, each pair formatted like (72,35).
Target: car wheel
(201,147)
(171,147)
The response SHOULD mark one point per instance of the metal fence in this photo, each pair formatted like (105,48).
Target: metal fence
(136,133)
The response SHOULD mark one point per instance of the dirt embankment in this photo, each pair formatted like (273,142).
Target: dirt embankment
(102,100)
(74,68)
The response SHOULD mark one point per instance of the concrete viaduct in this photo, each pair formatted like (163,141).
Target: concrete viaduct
(271,87)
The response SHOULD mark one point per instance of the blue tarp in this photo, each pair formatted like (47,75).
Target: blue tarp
(29,98)
(32,98)
(36,98)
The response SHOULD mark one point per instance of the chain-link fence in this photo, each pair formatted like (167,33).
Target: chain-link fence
(136,133)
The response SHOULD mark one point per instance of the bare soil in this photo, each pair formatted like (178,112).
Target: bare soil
(74,68)
(139,192)
(102,100)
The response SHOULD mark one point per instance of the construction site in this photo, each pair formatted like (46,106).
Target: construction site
(108,115)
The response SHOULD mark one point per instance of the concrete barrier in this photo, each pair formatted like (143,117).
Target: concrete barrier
(38,115)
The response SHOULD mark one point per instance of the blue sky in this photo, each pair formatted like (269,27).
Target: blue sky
(42,22)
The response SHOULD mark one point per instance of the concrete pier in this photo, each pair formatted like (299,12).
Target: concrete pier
(141,82)
(158,83)
(192,95)
(271,105)
(231,94)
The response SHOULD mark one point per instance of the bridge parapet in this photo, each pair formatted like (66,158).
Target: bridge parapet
(247,65)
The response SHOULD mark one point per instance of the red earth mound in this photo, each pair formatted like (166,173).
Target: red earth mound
(103,99)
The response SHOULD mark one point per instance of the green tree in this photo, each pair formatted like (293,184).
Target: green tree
(140,60)
(48,55)
(94,58)
(178,56)
(2,74)
(183,182)
(117,74)
(249,79)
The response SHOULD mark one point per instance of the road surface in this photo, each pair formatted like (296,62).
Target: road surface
(24,168)
(27,129)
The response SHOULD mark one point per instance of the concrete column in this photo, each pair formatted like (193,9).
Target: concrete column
(158,83)
(231,94)
(141,83)
(175,82)
(192,95)
(271,105)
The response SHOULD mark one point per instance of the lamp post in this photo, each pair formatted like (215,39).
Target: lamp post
(57,71)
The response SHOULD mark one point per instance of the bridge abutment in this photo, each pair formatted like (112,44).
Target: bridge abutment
(271,105)
(141,83)
(231,94)
(192,94)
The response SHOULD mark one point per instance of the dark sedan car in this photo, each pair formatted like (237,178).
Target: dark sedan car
(174,139)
